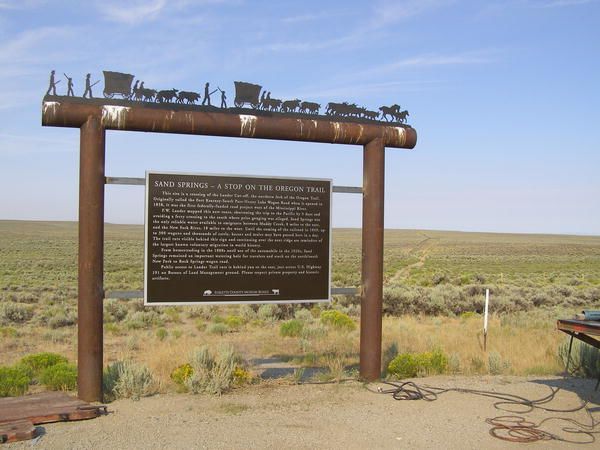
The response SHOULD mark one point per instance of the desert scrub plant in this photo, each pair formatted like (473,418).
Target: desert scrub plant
(162,334)
(59,377)
(496,365)
(14,313)
(35,364)
(234,322)
(303,314)
(114,310)
(214,374)
(14,381)
(338,320)
(217,328)
(143,319)
(8,332)
(127,379)
(584,361)
(410,365)
(180,375)
(291,328)
(268,312)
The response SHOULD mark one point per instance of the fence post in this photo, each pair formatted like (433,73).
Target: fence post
(372,260)
(91,260)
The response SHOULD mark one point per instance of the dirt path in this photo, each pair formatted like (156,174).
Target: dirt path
(346,416)
(422,249)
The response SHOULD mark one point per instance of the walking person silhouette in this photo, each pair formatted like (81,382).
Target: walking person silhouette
(88,87)
(52,86)
(70,92)
(206,94)
(223,98)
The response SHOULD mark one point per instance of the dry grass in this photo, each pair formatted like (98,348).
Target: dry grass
(547,276)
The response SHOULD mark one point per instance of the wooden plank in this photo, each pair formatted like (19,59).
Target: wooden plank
(19,430)
(47,407)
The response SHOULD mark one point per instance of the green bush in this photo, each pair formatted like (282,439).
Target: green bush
(410,365)
(161,334)
(234,322)
(181,374)
(35,364)
(13,381)
(217,328)
(291,328)
(59,377)
(337,319)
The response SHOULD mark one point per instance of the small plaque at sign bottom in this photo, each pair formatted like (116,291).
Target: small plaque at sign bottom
(236,239)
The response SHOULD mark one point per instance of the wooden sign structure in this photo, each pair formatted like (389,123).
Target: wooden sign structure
(94,117)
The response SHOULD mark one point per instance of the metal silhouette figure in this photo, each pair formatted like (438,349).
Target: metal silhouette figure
(70,92)
(88,86)
(247,95)
(223,98)
(52,85)
(206,94)
(134,90)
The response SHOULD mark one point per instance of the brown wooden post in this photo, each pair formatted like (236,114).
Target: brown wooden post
(372,260)
(91,260)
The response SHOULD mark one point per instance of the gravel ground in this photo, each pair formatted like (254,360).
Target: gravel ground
(348,416)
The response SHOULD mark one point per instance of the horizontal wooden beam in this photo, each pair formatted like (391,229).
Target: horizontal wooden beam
(169,118)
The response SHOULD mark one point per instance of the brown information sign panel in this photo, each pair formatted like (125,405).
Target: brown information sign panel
(236,239)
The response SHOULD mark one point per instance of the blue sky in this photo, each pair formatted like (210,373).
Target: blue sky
(505,96)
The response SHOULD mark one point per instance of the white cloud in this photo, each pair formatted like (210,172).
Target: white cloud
(562,3)
(20,4)
(430,60)
(132,13)
(390,12)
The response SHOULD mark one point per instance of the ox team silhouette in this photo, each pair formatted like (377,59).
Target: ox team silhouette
(246,95)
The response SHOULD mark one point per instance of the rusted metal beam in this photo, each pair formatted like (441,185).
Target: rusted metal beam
(130,181)
(161,118)
(372,260)
(91,260)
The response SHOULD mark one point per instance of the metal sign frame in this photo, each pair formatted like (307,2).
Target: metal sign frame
(93,118)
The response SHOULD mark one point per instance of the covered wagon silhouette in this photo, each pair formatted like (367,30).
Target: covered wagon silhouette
(117,83)
(246,93)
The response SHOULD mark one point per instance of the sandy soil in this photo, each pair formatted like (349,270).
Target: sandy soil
(348,416)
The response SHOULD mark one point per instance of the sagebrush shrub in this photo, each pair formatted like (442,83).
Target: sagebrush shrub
(14,313)
(268,311)
(215,374)
(585,359)
(127,379)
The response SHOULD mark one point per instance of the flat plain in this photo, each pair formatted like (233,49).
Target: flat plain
(433,299)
